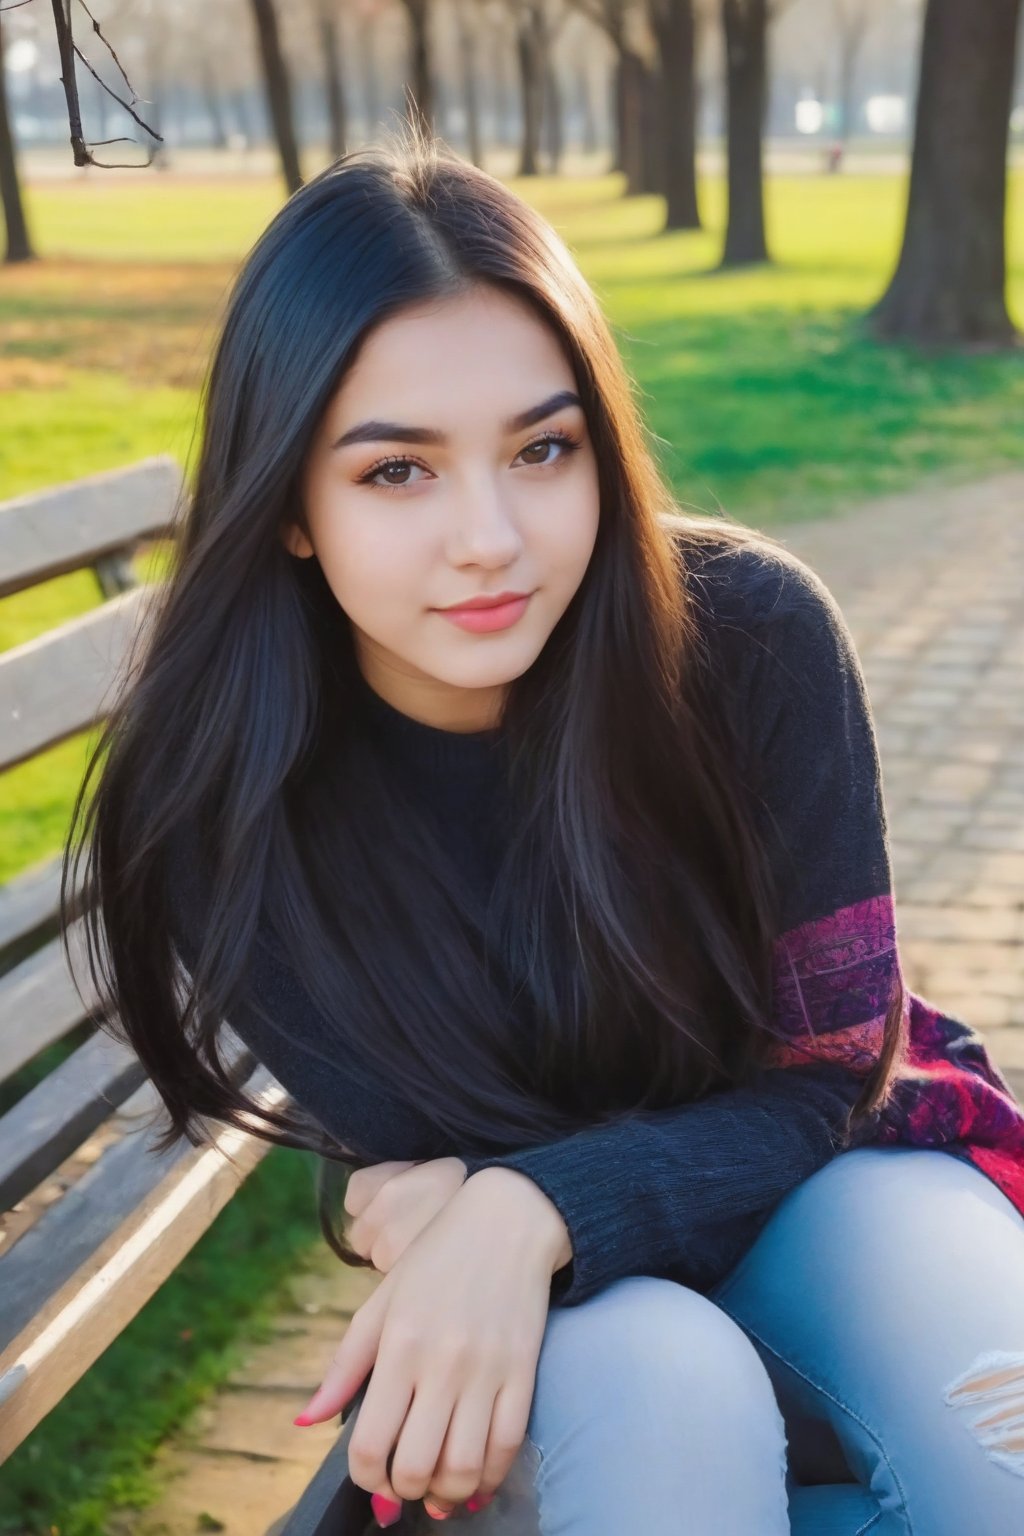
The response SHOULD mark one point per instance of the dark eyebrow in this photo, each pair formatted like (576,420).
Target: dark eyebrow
(395,432)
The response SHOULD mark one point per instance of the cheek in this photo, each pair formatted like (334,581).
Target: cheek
(375,569)
(565,532)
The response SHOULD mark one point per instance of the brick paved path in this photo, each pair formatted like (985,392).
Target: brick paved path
(933,588)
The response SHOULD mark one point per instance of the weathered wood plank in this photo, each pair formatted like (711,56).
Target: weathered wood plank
(39,1002)
(56,1116)
(61,683)
(28,900)
(85,522)
(130,1221)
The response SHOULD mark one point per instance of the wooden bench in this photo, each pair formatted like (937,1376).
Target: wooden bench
(91,1220)
(94,1222)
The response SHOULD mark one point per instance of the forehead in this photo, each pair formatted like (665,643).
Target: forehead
(483,352)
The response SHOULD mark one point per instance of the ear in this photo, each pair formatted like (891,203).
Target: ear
(295,541)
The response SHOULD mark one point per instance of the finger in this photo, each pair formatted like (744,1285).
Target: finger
(420,1440)
(381,1416)
(459,1470)
(509,1420)
(348,1368)
(364,1183)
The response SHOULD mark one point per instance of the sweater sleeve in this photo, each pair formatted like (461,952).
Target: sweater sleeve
(682,1192)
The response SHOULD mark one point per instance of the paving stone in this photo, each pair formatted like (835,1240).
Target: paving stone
(1009,837)
(956,781)
(982,1012)
(1001,866)
(1002,985)
(930,824)
(957,923)
(1007,1045)
(222,1493)
(258,1426)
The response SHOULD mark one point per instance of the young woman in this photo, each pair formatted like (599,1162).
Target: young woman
(530,830)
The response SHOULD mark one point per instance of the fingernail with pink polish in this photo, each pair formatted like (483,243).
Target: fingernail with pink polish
(385,1511)
(479,1501)
(435,1513)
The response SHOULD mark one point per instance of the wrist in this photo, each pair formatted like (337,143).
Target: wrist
(546,1222)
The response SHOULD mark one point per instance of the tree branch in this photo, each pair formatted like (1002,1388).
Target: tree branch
(68,50)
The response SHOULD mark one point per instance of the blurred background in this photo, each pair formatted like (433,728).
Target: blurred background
(804,220)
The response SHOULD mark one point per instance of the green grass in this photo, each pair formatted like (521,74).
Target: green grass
(764,398)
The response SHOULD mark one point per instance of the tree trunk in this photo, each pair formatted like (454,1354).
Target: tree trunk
(334,84)
(588,117)
(19,246)
(552,114)
(745,26)
(949,287)
(531,81)
(675,31)
(633,81)
(102,112)
(649,124)
(366,43)
(279,99)
(211,98)
(505,84)
(467,68)
(422,82)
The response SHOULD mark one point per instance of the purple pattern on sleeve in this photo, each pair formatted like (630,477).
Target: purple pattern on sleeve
(833,979)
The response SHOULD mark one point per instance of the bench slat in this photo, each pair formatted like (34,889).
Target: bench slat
(28,900)
(89,1264)
(39,1003)
(56,1116)
(51,532)
(61,682)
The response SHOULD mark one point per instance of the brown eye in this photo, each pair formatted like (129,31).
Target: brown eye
(562,439)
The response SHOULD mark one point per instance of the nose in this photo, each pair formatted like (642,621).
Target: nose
(482,528)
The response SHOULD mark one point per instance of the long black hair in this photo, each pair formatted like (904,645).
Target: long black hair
(644,910)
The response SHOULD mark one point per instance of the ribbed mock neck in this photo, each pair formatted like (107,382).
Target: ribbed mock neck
(458,753)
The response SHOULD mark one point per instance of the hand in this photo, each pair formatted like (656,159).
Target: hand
(452,1335)
(394,1201)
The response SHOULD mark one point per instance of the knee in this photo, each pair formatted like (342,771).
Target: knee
(653,1341)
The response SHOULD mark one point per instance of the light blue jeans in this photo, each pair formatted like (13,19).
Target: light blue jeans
(873,1288)
(823,1388)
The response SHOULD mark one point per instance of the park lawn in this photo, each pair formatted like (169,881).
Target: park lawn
(763,397)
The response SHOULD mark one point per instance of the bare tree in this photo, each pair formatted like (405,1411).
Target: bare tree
(674,24)
(467,30)
(634,90)
(334,80)
(949,287)
(420,90)
(853,20)
(745,29)
(19,246)
(279,99)
(369,73)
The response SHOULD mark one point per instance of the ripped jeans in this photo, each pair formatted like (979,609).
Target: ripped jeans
(860,1370)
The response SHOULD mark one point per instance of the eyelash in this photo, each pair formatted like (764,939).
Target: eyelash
(571,444)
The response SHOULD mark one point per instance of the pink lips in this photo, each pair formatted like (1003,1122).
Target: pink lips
(482,621)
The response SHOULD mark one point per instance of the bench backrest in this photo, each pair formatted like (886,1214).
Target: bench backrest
(92,1221)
